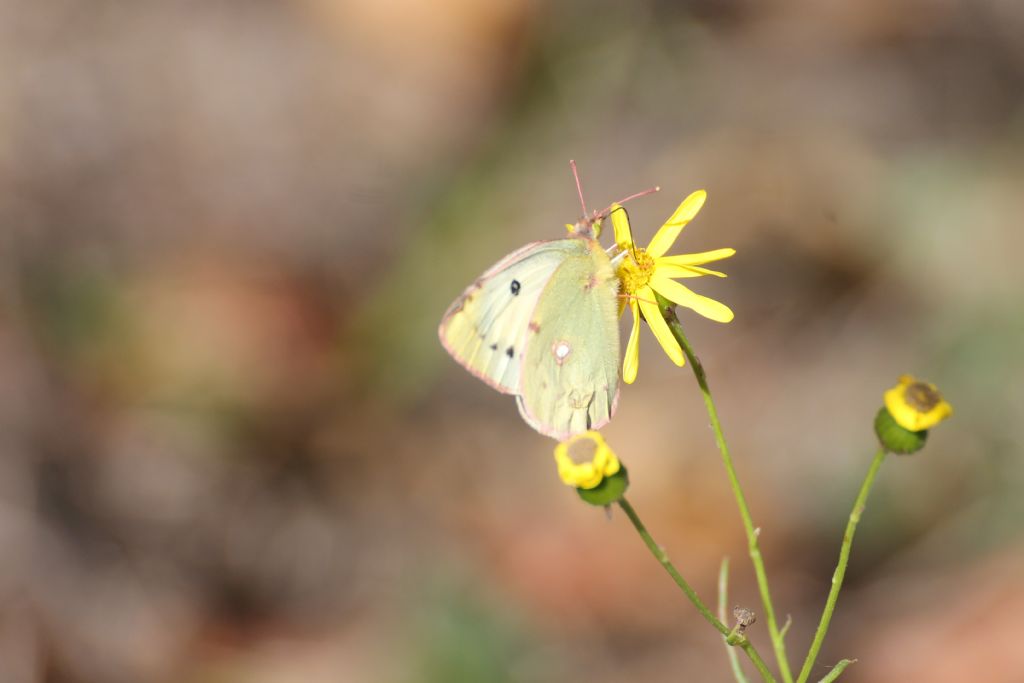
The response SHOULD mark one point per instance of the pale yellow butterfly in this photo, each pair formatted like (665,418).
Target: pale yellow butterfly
(542,324)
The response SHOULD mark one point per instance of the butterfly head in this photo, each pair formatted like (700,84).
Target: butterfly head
(588,226)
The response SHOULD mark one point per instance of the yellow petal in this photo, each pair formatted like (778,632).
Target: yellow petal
(697,259)
(667,234)
(620,226)
(631,363)
(659,327)
(684,296)
(605,461)
(673,271)
(586,476)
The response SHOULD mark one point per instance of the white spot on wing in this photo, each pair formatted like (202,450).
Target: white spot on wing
(561,350)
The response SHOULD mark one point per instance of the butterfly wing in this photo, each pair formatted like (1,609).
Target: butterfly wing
(571,366)
(485,328)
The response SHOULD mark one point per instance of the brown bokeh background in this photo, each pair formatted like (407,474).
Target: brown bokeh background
(233,450)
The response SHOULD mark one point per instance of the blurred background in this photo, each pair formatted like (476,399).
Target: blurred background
(232,448)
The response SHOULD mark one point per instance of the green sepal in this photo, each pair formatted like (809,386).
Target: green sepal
(895,438)
(608,491)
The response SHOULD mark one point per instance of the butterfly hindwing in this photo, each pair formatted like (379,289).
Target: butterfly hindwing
(570,370)
(485,328)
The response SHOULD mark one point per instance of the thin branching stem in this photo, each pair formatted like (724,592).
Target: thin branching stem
(662,557)
(778,644)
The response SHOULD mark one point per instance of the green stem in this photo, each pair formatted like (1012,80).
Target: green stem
(836,670)
(778,644)
(662,557)
(723,600)
(844,558)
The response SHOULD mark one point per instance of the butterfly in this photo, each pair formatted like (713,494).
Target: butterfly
(542,324)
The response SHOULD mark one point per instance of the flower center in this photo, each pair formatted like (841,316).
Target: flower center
(582,451)
(635,270)
(922,397)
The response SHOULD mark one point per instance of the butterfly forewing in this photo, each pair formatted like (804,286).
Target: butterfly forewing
(485,328)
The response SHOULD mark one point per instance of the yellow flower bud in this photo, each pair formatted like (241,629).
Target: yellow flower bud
(587,463)
(911,408)
(592,468)
(916,405)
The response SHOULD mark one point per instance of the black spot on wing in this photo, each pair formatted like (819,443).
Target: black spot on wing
(510,352)
(515,287)
(494,347)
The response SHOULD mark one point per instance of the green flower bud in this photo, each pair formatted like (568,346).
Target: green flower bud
(897,439)
(608,491)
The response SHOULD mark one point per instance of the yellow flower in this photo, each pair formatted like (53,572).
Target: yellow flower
(645,271)
(587,474)
(916,405)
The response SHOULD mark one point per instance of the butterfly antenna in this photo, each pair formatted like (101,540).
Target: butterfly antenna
(650,190)
(607,212)
(579,188)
